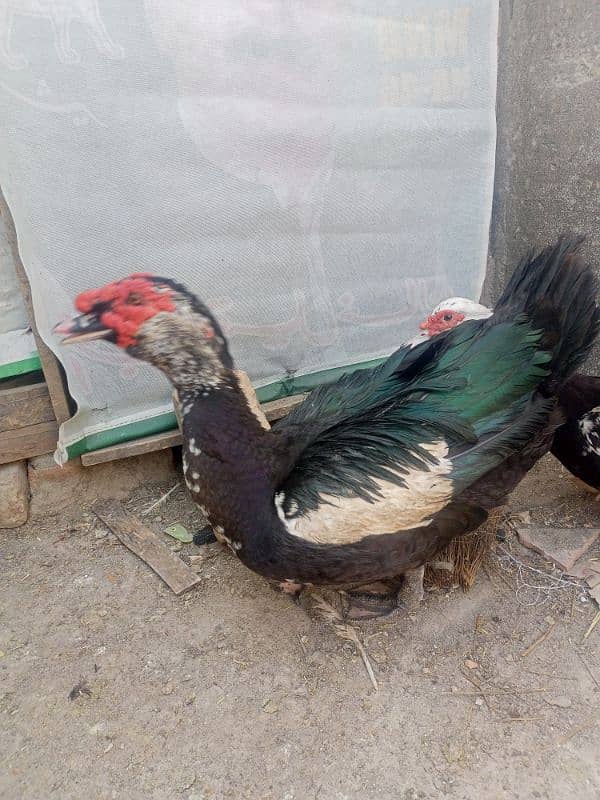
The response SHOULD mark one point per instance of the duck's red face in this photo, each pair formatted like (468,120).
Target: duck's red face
(441,321)
(118,310)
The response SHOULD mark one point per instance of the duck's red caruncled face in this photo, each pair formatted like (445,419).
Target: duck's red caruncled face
(441,321)
(123,306)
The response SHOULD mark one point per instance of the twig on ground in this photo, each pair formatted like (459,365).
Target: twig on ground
(160,500)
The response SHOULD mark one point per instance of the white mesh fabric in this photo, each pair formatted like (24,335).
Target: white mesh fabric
(320,173)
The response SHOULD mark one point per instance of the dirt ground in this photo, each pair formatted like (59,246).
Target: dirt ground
(232,691)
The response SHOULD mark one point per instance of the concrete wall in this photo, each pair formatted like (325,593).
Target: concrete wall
(548,151)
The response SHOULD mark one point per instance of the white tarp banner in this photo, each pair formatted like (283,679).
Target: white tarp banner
(18,353)
(319,172)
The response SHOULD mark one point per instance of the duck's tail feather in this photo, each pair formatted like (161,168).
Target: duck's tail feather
(557,291)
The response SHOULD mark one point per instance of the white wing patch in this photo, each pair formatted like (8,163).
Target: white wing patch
(350,519)
(589,425)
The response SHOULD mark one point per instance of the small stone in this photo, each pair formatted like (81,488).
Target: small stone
(479,701)
(168,688)
(563,546)
(561,701)
(270,707)
(471,664)
(100,729)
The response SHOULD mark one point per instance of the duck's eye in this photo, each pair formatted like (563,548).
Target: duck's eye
(447,317)
(135,299)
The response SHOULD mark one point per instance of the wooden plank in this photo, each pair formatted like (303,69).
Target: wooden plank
(53,371)
(34,440)
(160,441)
(138,447)
(276,409)
(142,541)
(25,406)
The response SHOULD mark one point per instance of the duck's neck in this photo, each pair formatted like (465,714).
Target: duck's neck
(231,462)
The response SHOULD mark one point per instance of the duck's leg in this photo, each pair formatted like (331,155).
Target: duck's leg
(411,593)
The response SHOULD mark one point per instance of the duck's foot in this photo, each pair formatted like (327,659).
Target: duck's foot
(378,599)
(204,536)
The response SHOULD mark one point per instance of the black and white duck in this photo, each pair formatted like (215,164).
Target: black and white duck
(372,475)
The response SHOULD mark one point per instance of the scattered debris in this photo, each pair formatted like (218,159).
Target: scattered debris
(593,624)
(471,664)
(270,706)
(79,690)
(177,531)
(534,586)
(160,500)
(538,641)
(563,546)
(142,541)
(590,723)
(345,631)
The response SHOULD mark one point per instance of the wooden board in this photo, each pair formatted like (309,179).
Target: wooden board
(25,406)
(142,541)
(160,441)
(35,440)
(138,447)
(52,370)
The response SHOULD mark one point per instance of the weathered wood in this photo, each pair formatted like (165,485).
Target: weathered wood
(160,441)
(276,409)
(22,443)
(138,447)
(50,364)
(142,541)
(250,395)
(25,406)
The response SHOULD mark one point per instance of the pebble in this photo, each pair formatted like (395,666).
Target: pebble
(562,701)
(100,729)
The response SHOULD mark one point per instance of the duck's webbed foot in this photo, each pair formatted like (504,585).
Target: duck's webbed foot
(377,599)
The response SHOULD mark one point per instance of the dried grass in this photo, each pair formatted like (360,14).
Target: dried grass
(466,554)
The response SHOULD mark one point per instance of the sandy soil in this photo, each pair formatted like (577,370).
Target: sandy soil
(232,691)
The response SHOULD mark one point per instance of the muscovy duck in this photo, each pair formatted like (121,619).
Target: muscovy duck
(372,475)
(576,444)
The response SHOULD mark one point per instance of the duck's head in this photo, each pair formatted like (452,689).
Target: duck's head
(152,318)
(451,312)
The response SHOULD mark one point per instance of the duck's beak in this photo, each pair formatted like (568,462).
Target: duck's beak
(83,328)
(424,326)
